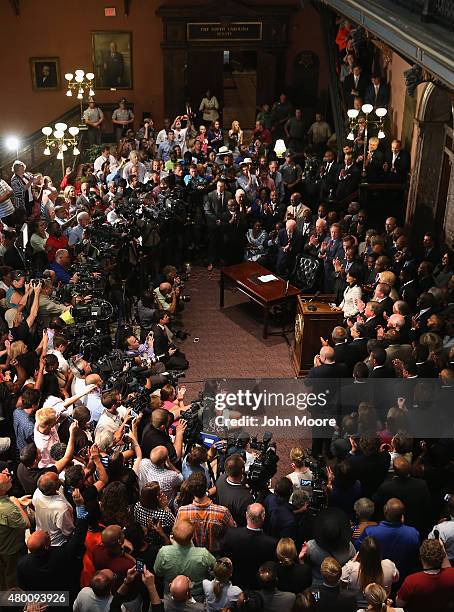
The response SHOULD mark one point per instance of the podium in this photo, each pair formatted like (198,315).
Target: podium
(313,320)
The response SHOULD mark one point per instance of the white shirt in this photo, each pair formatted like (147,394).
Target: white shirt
(54,514)
(87,601)
(161,137)
(44,443)
(180,138)
(107,422)
(78,387)
(94,405)
(446,530)
(63,365)
(97,166)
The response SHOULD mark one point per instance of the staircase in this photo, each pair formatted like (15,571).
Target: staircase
(31,148)
(329,31)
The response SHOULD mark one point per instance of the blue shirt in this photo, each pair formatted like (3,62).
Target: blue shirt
(398,542)
(63,276)
(279,517)
(23,425)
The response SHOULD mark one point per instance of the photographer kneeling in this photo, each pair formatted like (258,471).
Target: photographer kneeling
(164,348)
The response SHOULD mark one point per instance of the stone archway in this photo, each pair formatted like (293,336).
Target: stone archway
(431,175)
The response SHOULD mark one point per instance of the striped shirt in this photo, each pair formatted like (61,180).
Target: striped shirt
(210,521)
(6,206)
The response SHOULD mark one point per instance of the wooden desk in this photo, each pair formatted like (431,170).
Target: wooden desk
(310,325)
(244,278)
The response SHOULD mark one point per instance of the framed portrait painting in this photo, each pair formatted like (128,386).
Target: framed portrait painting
(112,59)
(45,73)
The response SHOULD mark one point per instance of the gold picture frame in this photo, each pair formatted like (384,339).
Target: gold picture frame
(112,59)
(45,73)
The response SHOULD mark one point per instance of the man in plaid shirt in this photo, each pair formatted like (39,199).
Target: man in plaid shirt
(209,519)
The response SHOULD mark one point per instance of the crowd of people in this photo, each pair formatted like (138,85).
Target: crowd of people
(102,492)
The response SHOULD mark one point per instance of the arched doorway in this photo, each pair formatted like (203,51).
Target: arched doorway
(432,185)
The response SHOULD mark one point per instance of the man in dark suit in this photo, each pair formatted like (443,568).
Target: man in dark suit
(358,345)
(46,78)
(377,360)
(248,547)
(373,318)
(330,250)
(289,246)
(328,174)
(397,163)
(381,295)
(377,93)
(425,367)
(425,305)
(355,85)
(342,351)
(409,290)
(215,206)
(330,595)
(412,492)
(374,161)
(163,347)
(431,252)
(348,179)
(113,67)
(325,365)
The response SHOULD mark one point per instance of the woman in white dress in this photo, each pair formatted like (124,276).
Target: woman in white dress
(256,242)
(352,293)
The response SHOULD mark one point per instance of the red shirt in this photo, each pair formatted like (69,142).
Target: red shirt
(118,564)
(53,244)
(422,592)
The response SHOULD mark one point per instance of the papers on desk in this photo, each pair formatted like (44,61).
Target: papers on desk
(267,278)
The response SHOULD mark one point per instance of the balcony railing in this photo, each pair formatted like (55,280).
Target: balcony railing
(439,11)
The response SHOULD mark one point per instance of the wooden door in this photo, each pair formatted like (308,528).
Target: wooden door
(266,78)
(205,71)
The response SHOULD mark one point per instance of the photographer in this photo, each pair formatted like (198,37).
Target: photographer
(164,348)
(167,297)
(48,307)
(156,434)
(61,266)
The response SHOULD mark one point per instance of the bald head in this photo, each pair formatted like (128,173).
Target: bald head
(48,483)
(180,588)
(38,541)
(94,379)
(159,455)
(394,510)
(112,537)
(255,516)
(396,321)
(165,288)
(401,467)
(183,532)
(101,582)
(327,354)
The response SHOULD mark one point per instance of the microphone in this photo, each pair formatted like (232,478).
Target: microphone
(316,294)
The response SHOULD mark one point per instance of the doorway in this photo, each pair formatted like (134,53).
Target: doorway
(239,88)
